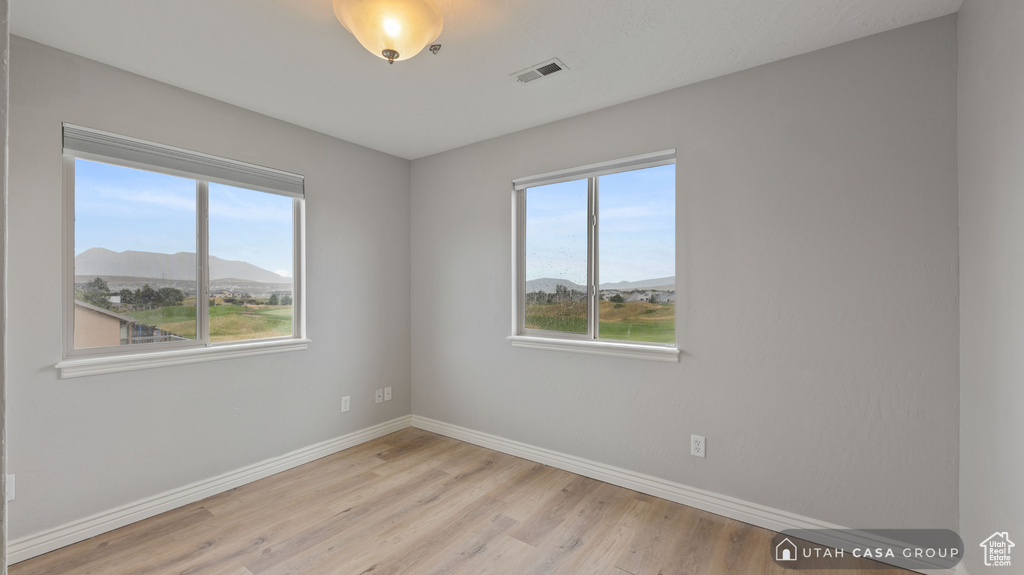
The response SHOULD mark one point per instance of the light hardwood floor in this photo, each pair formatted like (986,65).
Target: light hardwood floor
(418,503)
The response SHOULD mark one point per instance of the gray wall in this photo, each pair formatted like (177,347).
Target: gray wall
(5,60)
(817,273)
(81,446)
(991,121)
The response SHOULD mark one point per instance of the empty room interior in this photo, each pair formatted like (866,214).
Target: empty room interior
(512,286)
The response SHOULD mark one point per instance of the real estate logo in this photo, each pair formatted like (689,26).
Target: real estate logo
(785,550)
(841,549)
(997,549)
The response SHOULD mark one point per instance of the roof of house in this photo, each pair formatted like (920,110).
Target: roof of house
(99,309)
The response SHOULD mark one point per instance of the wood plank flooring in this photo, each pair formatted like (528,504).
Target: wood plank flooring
(416,503)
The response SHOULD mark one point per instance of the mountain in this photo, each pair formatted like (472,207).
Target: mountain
(659,283)
(547,285)
(179,266)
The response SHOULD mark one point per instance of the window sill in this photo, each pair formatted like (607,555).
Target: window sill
(83,366)
(614,349)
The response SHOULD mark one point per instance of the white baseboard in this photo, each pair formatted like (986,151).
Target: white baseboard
(731,507)
(75,531)
(760,515)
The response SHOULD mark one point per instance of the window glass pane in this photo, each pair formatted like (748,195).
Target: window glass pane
(135,256)
(556,257)
(251,255)
(636,248)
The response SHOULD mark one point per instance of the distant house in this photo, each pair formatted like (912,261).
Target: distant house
(653,296)
(98,327)
(639,296)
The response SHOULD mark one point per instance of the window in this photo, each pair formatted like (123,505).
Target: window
(171,251)
(595,259)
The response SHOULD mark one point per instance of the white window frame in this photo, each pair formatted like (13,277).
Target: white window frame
(95,145)
(588,342)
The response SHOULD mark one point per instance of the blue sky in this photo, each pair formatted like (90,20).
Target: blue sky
(637,227)
(251,226)
(556,231)
(122,209)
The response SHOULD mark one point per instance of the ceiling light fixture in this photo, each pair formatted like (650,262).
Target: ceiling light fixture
(391,29)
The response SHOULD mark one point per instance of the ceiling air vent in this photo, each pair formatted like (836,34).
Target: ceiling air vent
(540,70)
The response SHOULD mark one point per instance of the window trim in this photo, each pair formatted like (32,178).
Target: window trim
(101,364)
(638,162)
(563,341)
(93,145)
(179,161)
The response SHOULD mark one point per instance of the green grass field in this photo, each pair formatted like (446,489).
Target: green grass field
(636,321)
(227,322)
(570,316)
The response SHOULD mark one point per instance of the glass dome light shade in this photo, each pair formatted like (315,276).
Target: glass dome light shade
(404,26)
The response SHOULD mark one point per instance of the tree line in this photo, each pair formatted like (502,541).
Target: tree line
(98,293)
(245,299)
(562,294)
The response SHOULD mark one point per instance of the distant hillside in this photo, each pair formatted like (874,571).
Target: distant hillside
(656,283)
(547,285)
(179,266)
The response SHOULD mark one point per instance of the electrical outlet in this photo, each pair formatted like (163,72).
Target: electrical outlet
(387,394)
(10,487)
(379,397)
(346,403)
(698,446)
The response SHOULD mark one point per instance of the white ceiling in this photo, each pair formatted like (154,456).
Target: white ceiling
(292,60)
